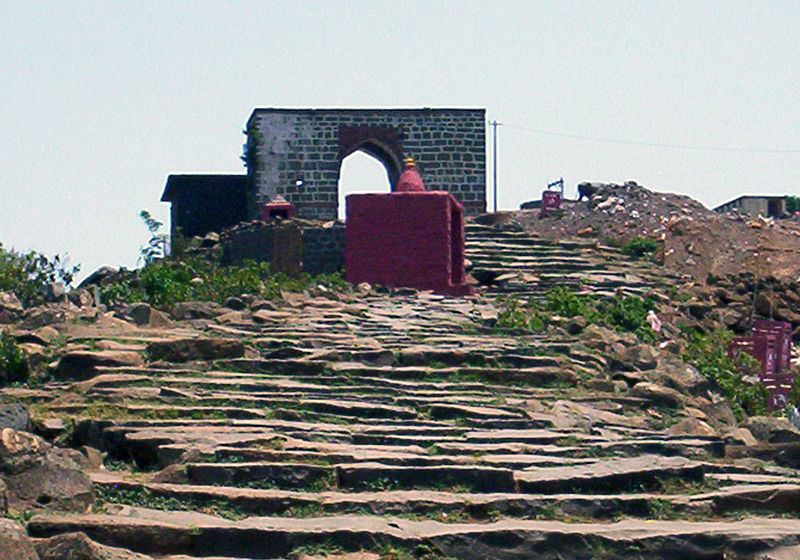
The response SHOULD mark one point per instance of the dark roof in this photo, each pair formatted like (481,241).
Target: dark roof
(761,196)
(177,184)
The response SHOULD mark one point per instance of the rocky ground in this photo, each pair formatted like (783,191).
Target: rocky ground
(695,241)
(365,425)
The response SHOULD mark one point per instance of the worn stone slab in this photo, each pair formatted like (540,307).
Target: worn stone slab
(480,479)
(613,475)
(264,537)
(253,501)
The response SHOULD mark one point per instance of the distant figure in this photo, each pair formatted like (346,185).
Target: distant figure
(655,322)
(587,190)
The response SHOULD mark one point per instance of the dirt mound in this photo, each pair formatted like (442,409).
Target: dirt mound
(694,240)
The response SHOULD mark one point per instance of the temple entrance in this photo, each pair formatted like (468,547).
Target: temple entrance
(360,173)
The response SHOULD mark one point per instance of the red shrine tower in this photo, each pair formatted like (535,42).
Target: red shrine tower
(408,238)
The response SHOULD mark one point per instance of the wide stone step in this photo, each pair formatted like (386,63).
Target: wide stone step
(611,476)
(243,502)
(161,533)
(261,475)
(377,476)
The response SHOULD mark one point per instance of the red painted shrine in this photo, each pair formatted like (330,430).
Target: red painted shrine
(278,207)
(408,238)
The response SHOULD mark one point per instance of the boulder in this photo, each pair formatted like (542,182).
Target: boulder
(139,313)
(15,542)
(770,429)
(568,414)
(50,428)
(20,450)
(740,436)
(15,416)
(77,546)
(657,394)
(83,364)
(636,357)
(186,349)
(43,316)
(692,427)
(599,338)
(575,324)
(764,304)
(640,356)
(718,414)
(188,310)
(81,297)
(159,319)
(38,474)
(676,374)
(94,457)
(53,291)
(57,482)
(10,307)
(235,303)
(99,276)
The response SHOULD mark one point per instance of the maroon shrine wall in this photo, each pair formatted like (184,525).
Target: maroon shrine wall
(408,239)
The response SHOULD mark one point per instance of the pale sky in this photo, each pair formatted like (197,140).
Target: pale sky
(100,101)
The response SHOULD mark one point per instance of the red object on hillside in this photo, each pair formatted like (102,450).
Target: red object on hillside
(551,200)
(783,330)
(767,345)
(408,238)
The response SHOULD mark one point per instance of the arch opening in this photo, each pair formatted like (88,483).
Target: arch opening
(368,169)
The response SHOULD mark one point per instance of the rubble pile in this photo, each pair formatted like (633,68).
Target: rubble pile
(695,241)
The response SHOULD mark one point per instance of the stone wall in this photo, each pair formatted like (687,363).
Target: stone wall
(321,248)
(298,153)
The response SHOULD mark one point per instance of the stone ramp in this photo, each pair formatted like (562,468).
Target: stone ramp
(403,429)
(526,264)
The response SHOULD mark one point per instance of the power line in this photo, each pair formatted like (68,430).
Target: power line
(653,144)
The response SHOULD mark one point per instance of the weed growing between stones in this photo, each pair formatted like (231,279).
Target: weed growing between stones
(141,497)
(621,313)
(659,508)
(638,247)
(13,360)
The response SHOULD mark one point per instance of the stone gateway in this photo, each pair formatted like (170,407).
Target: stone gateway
(298,153)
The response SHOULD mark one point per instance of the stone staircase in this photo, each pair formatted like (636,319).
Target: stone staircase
(528,264)
(399,429)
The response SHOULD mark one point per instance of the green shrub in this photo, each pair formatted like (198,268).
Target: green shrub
(518,316)
(166,282)
(708,353)
(622,313)
(565,302)
(13,360)
(27,275)
(628,314)
(792,204)
(794,395)
(639,247)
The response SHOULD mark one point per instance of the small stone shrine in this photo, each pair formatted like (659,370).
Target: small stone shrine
(408,238)
(278,207)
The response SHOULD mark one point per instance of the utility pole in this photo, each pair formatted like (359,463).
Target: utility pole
(494,124)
